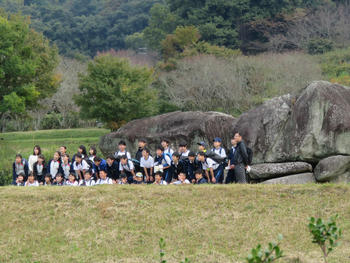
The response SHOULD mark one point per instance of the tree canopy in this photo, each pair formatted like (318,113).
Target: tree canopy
(27,62)
(116,92)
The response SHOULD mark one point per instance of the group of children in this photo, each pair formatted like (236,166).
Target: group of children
(165,167)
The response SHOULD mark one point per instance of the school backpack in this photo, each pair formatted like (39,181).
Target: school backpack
(215,157)
(250,155)
(90,164)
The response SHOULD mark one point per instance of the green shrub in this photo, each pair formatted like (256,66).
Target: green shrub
(319,46)
(5,177)
(270,254)
(51,121)
(325,234)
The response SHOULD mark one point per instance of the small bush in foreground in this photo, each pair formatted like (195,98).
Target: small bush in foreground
(325,234)
(270,254)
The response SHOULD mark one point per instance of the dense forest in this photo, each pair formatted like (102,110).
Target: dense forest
(89,26)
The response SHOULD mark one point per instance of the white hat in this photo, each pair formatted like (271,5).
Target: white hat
(139,174)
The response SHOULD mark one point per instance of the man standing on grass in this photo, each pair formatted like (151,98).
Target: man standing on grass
(240,160)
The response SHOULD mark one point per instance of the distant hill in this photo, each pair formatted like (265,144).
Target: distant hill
(85,26)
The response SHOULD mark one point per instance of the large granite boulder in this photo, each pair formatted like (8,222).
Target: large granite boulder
(191,127)
(273,170)
(333,169)
(319,125)
(263,129)
(309,127)
(304,178)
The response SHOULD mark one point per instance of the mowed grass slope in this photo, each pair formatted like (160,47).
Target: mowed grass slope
(203,223)
(49,140)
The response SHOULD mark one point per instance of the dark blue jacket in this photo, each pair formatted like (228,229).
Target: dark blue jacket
(15,175)
(101,167)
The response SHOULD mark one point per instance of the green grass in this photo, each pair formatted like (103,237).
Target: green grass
(49,140)
(203,223)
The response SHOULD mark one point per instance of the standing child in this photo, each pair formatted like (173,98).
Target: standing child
(66,166)
(19,166)
(230,178)
(126,166)
(191,165)
(147,163)
(33,158)
(142,145)
(88,180)
(63,151)
(211,168)
(177,167)
(167,150)
(92,153)
(103,178)
(183,151)
(31,181)
(71,180)
(39,169)
(82,152)
(54,165)
(122,151)
(164,161)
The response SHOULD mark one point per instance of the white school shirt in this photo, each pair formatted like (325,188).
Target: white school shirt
(166,161)
(185,154)
(119,153)
(31,161)
(66,169)
(39,168)
(33,184)
(81,166)
(54,166)
(209,163)
(72,184)
(127,167)
(149,163)
(106,181)
(90,182)
(162,182)
(217,151)
(185,182)
(169,150)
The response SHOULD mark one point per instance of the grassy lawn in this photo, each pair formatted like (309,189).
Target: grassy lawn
(49,141)
(203,223)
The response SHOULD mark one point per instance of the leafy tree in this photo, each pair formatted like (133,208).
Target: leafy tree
(115,92)
(161,23)
(27,62)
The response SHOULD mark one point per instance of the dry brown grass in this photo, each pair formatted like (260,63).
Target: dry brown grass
(205,223)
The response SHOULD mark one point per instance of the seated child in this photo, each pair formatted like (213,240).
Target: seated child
(31,180)
(159,179)
(199,177)
(72,180)
(182,179)
(88,180)
(138,179)
(123,179)
(103,178)
(20,180)
(47,179)
(59,181)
